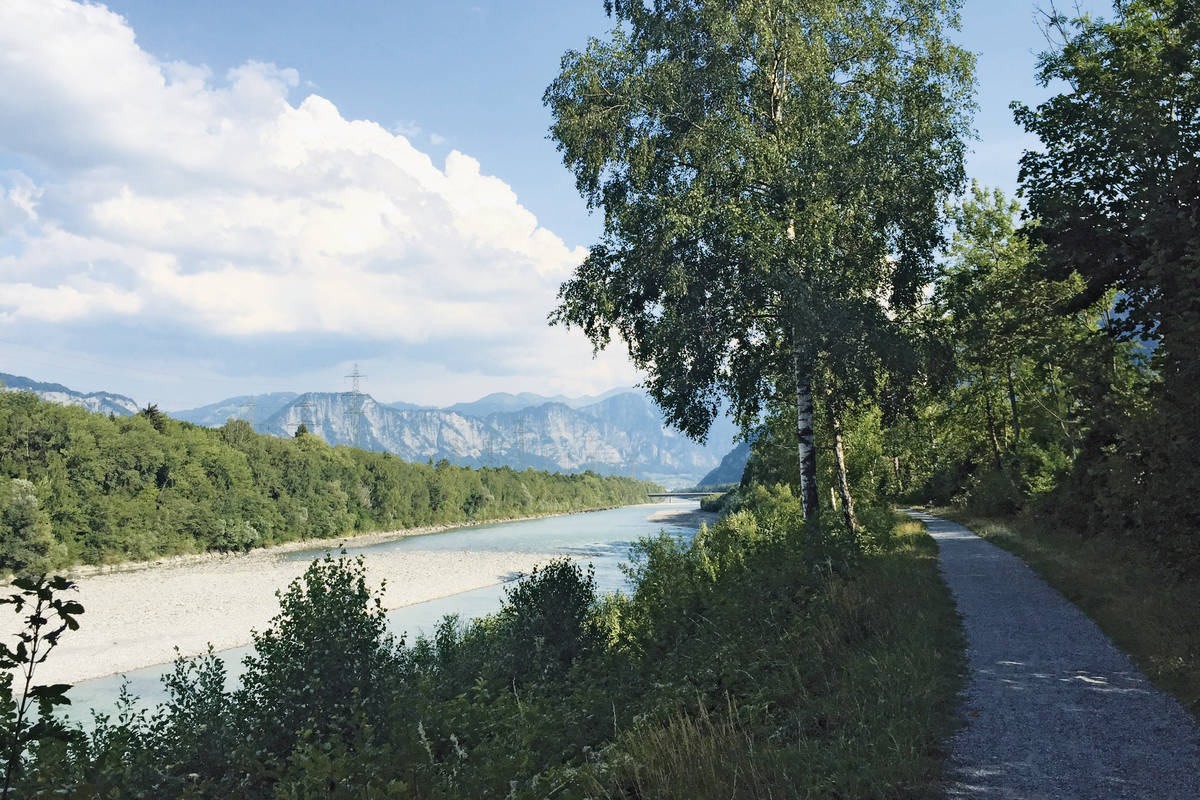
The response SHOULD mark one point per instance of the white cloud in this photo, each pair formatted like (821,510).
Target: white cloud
(172,198)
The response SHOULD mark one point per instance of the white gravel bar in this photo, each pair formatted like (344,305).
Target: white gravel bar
(138,617)
(1052,708)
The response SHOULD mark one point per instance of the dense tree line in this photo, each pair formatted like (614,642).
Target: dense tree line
(84,487)
(1053,366)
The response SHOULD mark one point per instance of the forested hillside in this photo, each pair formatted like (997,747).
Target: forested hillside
(111,489)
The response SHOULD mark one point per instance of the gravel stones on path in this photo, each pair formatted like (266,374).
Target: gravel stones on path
(1052,708)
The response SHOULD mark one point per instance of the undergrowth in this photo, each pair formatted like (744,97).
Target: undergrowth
(759,660)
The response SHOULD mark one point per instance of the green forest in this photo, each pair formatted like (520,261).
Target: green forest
(789,230)
(88,488)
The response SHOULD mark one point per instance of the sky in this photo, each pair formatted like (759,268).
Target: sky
(201,200)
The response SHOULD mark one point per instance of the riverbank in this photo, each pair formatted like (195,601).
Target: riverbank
(364,539)
(137,615)
(689,517)
(138,618)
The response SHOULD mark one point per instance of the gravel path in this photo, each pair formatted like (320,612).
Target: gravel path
(1052,708)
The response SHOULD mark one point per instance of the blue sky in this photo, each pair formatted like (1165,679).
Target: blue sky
(171,228)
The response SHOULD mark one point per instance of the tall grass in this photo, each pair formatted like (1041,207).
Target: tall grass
(864,699)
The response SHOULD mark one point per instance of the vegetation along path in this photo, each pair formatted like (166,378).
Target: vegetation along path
(1052,708)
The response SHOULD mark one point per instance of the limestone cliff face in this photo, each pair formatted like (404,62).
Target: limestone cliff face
(621,434)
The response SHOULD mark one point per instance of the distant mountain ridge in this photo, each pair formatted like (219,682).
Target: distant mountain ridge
(256,408)
(503,401)
(98,402)
(623,433)
(619,432)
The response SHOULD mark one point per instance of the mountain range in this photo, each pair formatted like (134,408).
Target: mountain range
(98,402)
(617,432)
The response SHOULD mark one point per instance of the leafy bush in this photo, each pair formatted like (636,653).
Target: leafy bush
(49,617)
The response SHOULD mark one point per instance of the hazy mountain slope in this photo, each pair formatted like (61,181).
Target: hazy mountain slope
(100,402)
(731,467)
(503,401)
(622,434)
(257,408)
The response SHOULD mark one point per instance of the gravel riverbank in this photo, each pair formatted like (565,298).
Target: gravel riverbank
(136,615)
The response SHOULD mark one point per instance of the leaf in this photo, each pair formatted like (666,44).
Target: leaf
(54,692)
(71,607)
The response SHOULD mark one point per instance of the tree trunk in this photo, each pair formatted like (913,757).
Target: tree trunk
(843,478)
(804,436)
(1012,403)
(991,422)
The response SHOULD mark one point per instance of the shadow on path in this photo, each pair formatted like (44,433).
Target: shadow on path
(1052,708)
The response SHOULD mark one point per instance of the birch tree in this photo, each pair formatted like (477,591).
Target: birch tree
(771,174)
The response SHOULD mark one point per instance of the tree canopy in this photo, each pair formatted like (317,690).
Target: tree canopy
(1115,191)
(771,174)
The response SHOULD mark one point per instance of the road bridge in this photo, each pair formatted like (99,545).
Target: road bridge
(682,495)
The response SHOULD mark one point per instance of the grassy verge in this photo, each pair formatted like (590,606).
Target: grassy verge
(1150,613)
(861,701)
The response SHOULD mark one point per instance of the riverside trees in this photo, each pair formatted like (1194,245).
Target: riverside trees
(82,487)
(771,174)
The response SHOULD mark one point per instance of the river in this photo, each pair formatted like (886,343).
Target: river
(599,538)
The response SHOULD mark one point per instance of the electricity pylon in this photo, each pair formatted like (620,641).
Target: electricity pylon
(354,404)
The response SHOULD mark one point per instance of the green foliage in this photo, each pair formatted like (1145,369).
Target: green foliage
(317,673)
(858,687)
(50,616)
(27,545)
(818,676)
(1067,383)
(547,620)
(745,156)
(117,489)
(1004,414)
(1116,188)
(717,502)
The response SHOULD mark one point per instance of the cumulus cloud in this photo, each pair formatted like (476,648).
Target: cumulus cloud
(157,192)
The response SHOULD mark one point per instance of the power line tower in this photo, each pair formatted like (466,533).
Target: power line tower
(354,404)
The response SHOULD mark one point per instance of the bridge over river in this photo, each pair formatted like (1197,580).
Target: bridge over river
(680,495)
